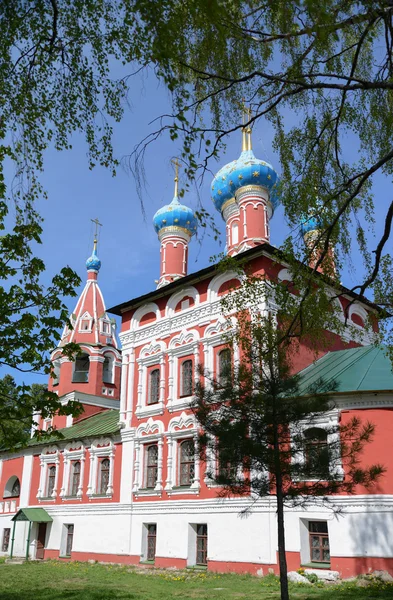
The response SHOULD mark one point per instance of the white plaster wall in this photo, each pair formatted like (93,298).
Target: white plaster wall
(20,535)
(26,481)
(103,531)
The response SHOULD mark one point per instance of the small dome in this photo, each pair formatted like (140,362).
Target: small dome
(175,215)
(310,223)
(93,263)
(246,170)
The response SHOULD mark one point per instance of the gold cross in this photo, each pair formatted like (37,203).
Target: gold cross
(175,161)
(97,224)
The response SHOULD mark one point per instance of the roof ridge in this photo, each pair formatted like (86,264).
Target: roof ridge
(370,365)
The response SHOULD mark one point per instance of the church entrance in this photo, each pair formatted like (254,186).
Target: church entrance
(41,541)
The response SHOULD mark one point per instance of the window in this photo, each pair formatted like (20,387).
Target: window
(151,541)
(51,480)
(104,476)
(56,372)
(319,542)
(81,369)
(316,452)
(15,491)
(186,378)
(76,477)
(69,539)
(235,233)
(106,327)
(151,465)
(12,488)
(107,370)
(6,539)
(187,463)
(154,387)
(201,544)
(224,364)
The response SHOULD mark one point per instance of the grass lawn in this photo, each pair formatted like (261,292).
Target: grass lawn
(82,581)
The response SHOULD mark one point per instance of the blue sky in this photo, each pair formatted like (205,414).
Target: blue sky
(128,245)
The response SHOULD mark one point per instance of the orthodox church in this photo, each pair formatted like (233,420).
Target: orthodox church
(125,484)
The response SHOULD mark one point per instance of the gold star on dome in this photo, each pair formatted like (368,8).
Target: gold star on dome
(219,192)
(255,174)
(170,208)
(223,178)
(164,221)
(269,176)
(240,176)
(213,188)
(230,182)
(188,222)
(176,220)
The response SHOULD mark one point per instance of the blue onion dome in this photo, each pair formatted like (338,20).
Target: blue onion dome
(93,263)
(246,170)
(175,215)
(310,223)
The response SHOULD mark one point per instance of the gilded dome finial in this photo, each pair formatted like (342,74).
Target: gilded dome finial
(175,161)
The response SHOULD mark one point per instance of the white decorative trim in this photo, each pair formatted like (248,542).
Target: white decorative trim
(100,448)
(73,452)
(218,281)
(141,312)
(50,455)
(174,300)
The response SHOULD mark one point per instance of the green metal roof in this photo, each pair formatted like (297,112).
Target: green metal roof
(363,369)
(37,515)
(104,423)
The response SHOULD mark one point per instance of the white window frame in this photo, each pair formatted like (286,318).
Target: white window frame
(180,429)
(325,421)
(112,360)
(189,349)
(147,434)
(157,360)
(72,453)
(50,456)
(101,448)
(86,317)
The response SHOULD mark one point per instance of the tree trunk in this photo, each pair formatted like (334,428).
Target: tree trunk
(282,559)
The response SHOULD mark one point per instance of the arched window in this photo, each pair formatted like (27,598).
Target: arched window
(81,369)
(56,372)
(235,233)
(186,385)
(224,364)
(187,462)
(154,387)
(107,370)
(12,488)
(151,465)
(316,452)
(51,480)
(104,476)
(76,478)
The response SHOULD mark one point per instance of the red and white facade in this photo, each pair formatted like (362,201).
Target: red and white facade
(140,494)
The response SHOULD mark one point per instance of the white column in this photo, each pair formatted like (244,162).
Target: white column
(66,468)
(141,372)
(57,463)
(136,466)
(169,482)
(91,486)
(162,380)
(170,381)
(109,489)
(123,392)
(80,486)
(158,486)
(130,386)
(196,483)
